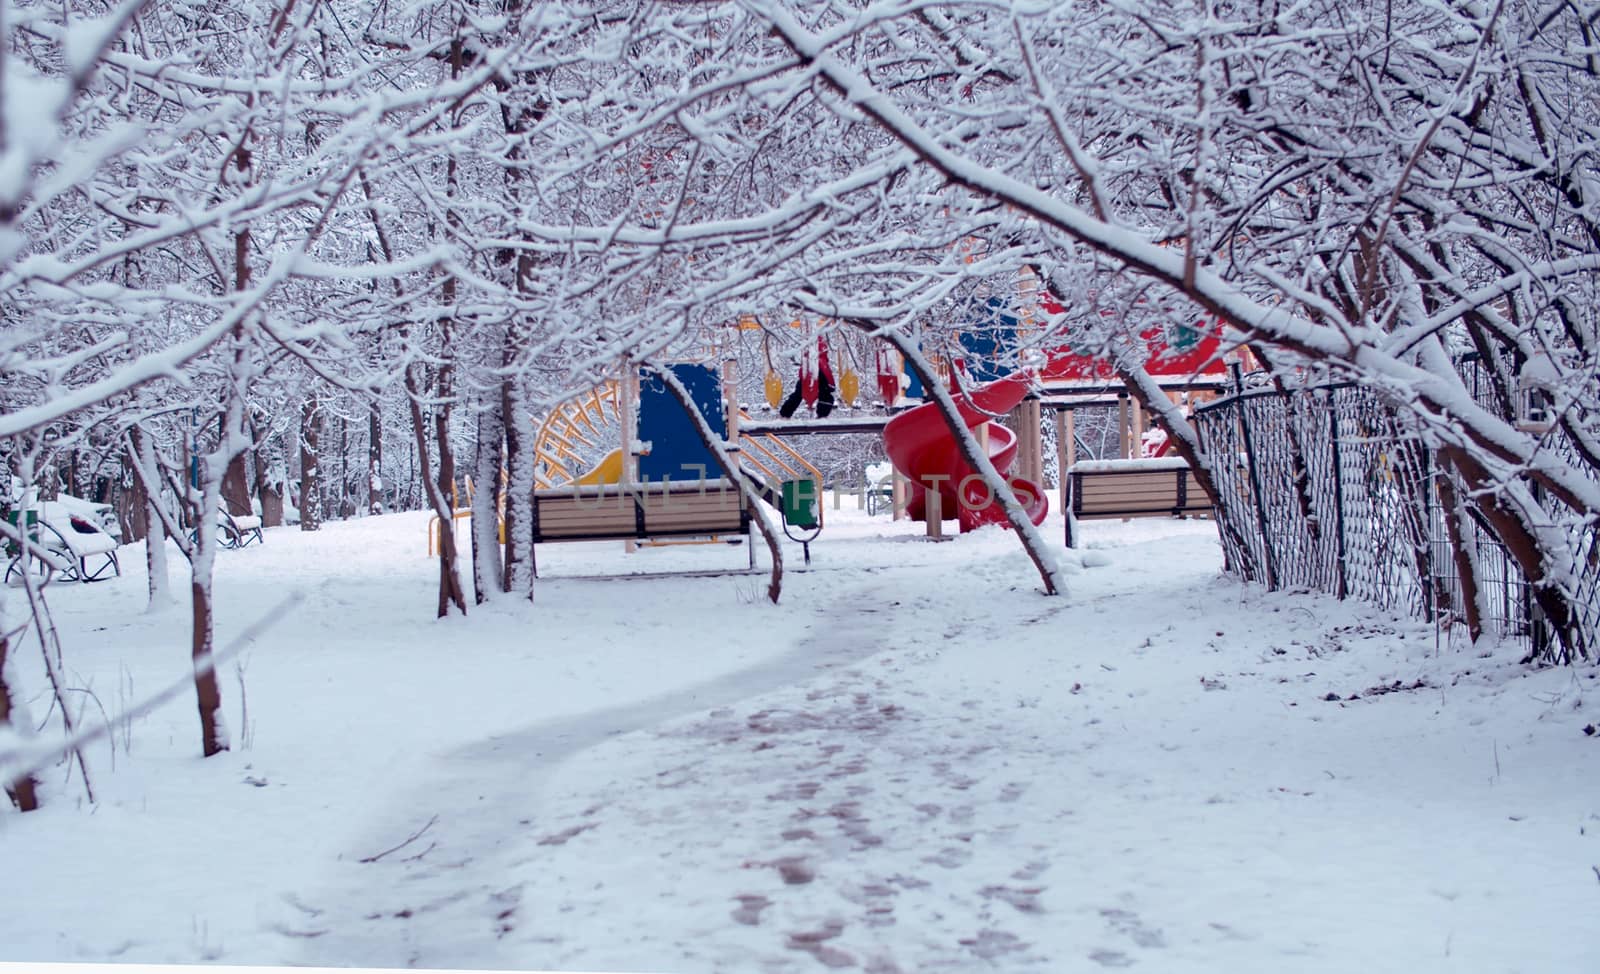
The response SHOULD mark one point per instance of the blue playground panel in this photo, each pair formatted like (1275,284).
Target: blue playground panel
(989,341)
(676,452)
(914,388)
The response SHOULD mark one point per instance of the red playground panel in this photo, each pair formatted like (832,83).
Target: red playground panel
(1178,350)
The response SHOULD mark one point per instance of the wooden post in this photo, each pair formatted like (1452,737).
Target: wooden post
(934,513)
(630,435)
(1024,421)
(629,395)
(898,489)
(1122,425)
(1064,453)
(1135,432)
(730,393)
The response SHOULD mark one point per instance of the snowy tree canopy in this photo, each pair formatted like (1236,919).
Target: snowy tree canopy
(214,217)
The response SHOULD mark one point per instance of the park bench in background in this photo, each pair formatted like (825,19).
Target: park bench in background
(75,548)
(234,530)
(609,513)
(1157,487)
(238,530)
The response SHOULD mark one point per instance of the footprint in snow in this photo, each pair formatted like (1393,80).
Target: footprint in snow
(1111,958)
(749,910)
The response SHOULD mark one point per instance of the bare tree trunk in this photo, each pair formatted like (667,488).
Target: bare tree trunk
(131,514)
(516,573)
(23,790)
(346,507)
(202,565)
(486,571)
(28,468)
(70,481)
(449,571)
(410,503)
(1523,543)
(1466,565)
(236,488)
(215,468)
(522,108)
(374,461)
(155,547)
(310,466)
(208,694)
(267,488)
(439,497)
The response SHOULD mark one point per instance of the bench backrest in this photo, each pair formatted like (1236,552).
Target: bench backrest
(1131,493)
(608,513)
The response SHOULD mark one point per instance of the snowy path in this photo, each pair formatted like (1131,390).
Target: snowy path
(1144,774)
(408,911)
(916,763)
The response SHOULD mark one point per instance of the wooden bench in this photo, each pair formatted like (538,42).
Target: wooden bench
(610,513)
(1159,487)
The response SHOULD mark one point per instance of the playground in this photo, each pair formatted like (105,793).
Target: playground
(666,452)
(911,763)
(781,487)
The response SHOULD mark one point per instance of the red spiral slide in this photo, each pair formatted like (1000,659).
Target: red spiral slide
(921,448)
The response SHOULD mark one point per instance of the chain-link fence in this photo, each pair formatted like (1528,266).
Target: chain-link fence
(1332,491)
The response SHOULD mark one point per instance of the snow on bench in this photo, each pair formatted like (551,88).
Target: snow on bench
(76,541)
(238,530)
(1155,487)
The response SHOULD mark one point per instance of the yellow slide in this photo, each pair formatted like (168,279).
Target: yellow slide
(607,471)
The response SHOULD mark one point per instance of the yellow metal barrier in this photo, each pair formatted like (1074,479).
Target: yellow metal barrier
(460,513)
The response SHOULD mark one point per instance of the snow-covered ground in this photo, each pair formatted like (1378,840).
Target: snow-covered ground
(915,763)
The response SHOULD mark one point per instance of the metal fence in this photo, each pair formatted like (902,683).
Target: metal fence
(1333,492)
